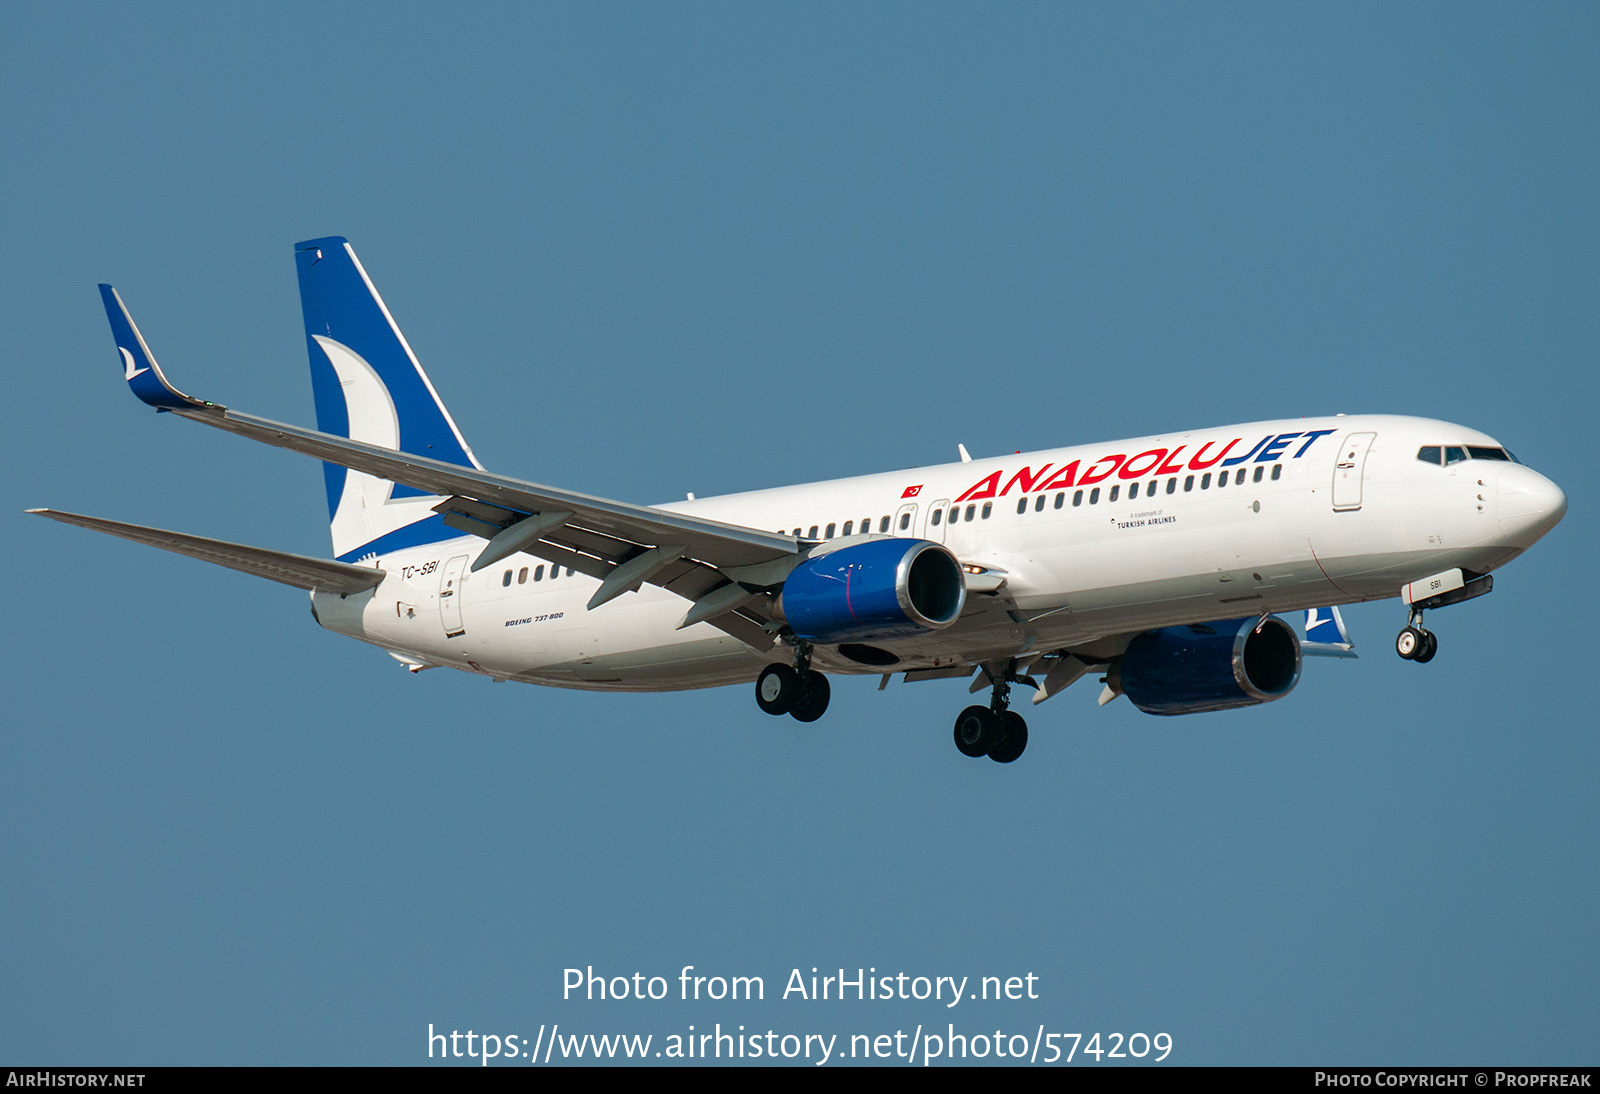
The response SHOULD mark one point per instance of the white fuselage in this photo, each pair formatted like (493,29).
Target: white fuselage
(1088,545)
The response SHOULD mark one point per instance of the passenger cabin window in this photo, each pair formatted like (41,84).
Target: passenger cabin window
(1038,504)
(1238,480)
(830,531)
(905,521)
(1257,476)
(1022,505)
(849,524)
(1172,486)
(522,576)
(1115,490)
(1077,497)
(506,580)
(813,533)
(971,509)
(1188,484)
(883,525)
(1133,491)
(1277,472)
(1205,481)
(538,573)
(1094,496)
(988,507)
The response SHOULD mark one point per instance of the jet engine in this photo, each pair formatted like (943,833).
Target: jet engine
(1210,666)
(877,589)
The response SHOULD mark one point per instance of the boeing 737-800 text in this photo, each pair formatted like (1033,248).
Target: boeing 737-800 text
(1157,563)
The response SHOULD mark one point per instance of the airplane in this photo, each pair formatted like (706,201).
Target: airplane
(1160,564)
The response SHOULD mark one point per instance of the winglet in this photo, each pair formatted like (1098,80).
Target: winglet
(1326,635)
(139,366)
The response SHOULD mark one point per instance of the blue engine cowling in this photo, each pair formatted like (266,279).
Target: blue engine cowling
(879,589)
(1210,666)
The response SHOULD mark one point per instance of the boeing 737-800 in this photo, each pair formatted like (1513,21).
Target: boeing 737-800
(1157,563)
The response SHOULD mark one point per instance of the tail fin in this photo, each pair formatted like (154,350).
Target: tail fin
(369,387)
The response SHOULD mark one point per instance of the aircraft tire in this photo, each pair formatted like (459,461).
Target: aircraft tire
(812,701)
(1009,747)
(777,688)
(1408,643)
(1430,646)
(976,731)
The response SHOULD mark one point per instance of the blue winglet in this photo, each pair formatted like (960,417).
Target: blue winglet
(1326,635)
(139,366)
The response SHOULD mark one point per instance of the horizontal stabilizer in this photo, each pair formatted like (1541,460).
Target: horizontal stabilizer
(301,571)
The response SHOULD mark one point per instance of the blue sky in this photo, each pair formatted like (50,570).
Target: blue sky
(650,249)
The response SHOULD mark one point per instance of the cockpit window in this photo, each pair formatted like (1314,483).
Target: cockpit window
(1431,453)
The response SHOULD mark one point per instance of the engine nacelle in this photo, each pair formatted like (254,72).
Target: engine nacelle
(1210,666)
(879,589)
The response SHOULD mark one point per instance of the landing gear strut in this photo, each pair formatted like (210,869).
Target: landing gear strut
(1416,643)
(800,692)
(993,731)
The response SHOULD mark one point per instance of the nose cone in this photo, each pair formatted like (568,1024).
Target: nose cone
(1529,505)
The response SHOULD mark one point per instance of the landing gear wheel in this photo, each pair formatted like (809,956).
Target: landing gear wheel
(812,701)
(1409,643)
(1430,646)
(777,689)
(1010,746)
(977,730)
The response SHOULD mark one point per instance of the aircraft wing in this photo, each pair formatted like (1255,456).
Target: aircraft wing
(718,567)
(300,571)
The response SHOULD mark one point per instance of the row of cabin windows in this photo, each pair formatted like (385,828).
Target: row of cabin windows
(973,512)
(849,527)
(1153,487)
(538,575)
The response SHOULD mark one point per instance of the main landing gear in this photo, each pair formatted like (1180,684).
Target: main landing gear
(993,731)
(1416,643)
(800,692)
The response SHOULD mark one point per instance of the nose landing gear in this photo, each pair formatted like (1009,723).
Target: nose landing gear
(1416,643)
